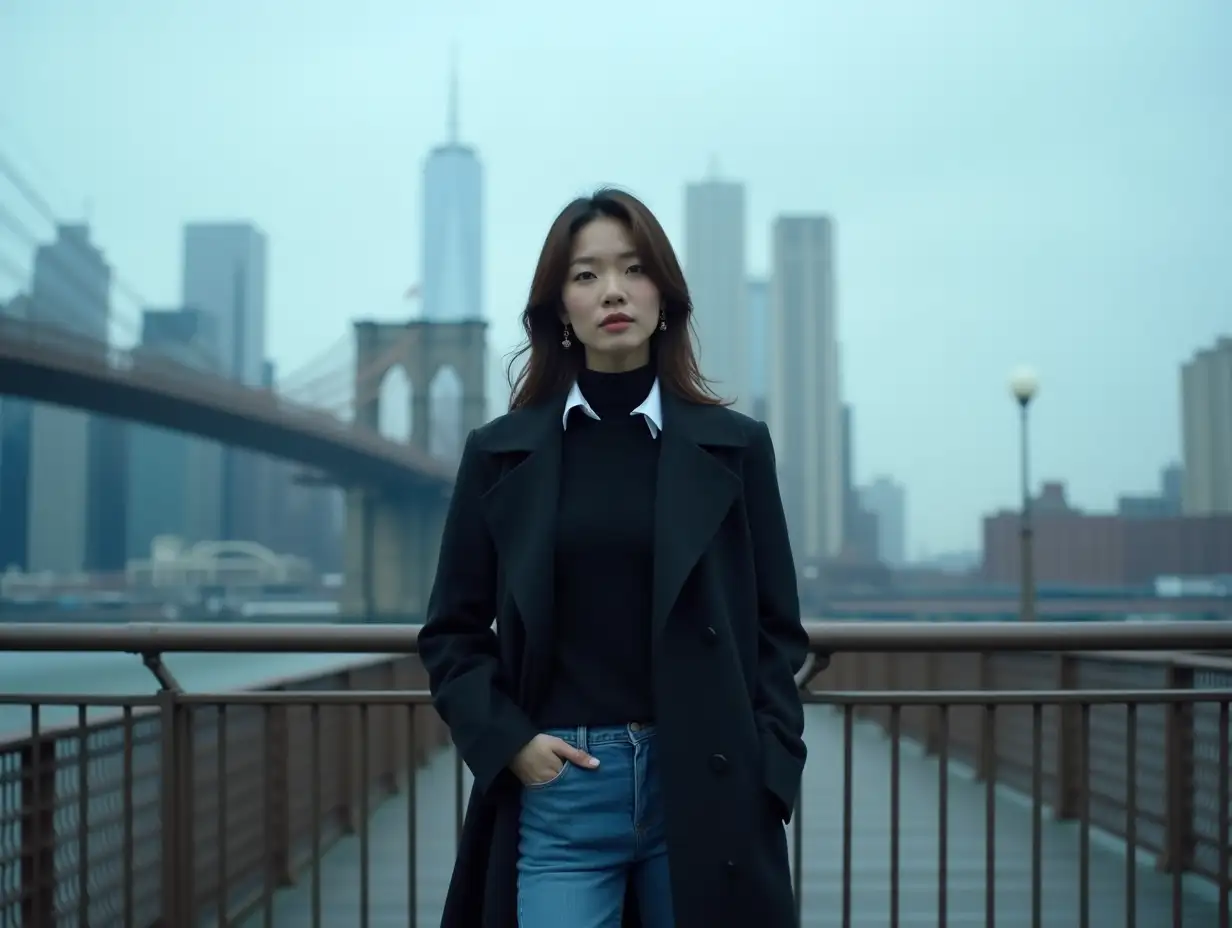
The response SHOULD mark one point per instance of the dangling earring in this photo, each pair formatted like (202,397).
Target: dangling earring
(565,342)
(662,319)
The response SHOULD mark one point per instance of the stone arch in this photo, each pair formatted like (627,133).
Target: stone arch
(422,349)
(445,403)
(393,404)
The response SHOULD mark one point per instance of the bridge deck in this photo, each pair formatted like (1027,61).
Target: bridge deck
(822,839)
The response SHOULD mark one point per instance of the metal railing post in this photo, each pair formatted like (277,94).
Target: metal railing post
(1178,850)
(1069,743)
(38,830)
(172,862)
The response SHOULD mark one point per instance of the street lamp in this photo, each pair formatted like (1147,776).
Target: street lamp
(1024,385)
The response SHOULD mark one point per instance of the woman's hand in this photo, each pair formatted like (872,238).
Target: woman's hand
(542,758)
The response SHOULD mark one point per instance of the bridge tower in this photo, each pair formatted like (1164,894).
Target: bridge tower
(392,537)
(422,350)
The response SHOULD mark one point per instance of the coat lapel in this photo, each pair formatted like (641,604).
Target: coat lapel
(693,493)
(520,509)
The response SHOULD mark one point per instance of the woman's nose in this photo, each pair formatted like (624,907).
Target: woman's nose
(614,294)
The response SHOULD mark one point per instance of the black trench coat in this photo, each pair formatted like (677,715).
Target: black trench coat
(727,641)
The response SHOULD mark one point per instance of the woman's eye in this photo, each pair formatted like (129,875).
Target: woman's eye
(582,275)
(634,269)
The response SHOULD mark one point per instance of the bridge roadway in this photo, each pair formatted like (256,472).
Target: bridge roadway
(48,364)
(822,840)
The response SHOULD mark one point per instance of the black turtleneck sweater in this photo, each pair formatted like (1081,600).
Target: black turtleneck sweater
(604,558)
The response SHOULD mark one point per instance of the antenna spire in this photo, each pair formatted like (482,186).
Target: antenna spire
(453,96)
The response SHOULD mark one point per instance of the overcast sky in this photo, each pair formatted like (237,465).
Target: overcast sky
(1046,181)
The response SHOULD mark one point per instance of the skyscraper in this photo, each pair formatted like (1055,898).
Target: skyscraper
(14,465)
(805,401)
(277,477)
(714,266)
(224,276)
(758,347)
(107,491)
(70,290)
(887,500)
(851,504)
(452,273)
(178,477)
(860,524)
(451,278)
(1206,430)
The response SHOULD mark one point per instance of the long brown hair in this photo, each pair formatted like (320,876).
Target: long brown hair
(552,368)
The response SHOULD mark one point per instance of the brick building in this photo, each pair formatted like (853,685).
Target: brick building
(1074,548)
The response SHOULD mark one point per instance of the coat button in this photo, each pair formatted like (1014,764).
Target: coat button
(718,763)
(710,636)
(730,869)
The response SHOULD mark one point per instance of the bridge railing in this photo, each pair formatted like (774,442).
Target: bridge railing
(1130,745)
(93,830)
(75,352)
(182,807)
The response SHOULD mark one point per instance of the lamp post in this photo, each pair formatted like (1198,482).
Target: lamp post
(1023,386)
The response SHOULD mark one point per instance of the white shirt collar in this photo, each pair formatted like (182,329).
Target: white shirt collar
(651,408)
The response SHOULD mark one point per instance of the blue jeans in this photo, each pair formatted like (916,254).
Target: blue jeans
(584,835)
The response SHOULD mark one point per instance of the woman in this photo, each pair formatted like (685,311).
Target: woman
(632,723)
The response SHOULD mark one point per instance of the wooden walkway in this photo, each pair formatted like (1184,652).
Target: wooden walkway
(822,871)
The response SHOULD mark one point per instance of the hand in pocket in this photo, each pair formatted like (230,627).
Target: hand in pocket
(543,757)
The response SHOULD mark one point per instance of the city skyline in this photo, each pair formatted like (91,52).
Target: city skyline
(83,492)
(71,234)
(954,264)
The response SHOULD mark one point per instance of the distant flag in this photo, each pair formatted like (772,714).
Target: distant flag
(412,292)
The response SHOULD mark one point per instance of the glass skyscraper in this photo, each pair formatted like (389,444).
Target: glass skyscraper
(224,277)
(452,233)
(175,479)
(451,275)
(70,290)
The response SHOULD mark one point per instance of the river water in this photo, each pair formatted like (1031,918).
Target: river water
(98,674)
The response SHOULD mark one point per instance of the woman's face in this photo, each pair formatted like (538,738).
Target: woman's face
(609,302)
